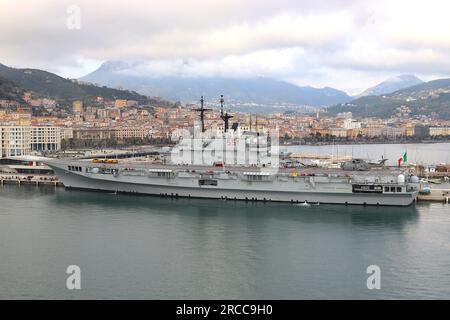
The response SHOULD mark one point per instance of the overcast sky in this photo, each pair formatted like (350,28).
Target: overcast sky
(346,44)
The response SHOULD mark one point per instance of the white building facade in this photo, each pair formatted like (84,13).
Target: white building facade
(45,138)
(22,140)
(15,141)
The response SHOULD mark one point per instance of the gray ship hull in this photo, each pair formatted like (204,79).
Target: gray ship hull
(298,190)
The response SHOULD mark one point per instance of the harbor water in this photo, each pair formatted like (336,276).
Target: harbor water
(142,247)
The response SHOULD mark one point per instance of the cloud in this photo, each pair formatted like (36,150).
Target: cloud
(302,41)
(284,63)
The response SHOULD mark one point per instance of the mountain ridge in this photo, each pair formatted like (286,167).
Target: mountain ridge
(47,84)
(428,98)
(391,85)
(261,90)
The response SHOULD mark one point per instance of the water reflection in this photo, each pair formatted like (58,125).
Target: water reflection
(228,212)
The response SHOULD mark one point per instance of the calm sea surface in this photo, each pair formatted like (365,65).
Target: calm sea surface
(147,247)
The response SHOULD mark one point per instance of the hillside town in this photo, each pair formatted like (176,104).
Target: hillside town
(125,122)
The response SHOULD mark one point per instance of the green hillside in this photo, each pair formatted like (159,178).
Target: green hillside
(10,91)
(423,99)
(63,90)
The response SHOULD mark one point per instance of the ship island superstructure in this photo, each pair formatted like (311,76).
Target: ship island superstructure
(238,165)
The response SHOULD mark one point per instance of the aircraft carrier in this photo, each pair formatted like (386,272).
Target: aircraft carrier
(373,187)
(246,168)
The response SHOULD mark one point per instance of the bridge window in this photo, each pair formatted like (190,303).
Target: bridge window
(74,168)
(254,178)
(160,173)
(207,182)
(358,188)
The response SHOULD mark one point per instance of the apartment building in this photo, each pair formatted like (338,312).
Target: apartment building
(338,132)
(439,131)
(15,141)
(45,138)
(22,140)
(394,132)
(93,133)
(130,132)
(66,133)
(372,132)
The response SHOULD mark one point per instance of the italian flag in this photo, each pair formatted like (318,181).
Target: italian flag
(403,159)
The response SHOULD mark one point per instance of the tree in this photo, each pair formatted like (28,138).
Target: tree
(64,144)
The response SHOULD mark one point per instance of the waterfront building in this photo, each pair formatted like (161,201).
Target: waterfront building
(439,131)
(92,133)
(320,132)
(421,131)
(128,132)
(409,130)
(338,132)
(45,138)
(393,132)
(15,141)
(22,140)
(355,133)
(372,132)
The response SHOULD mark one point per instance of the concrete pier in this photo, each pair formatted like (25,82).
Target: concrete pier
(436,195)
(36,180)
